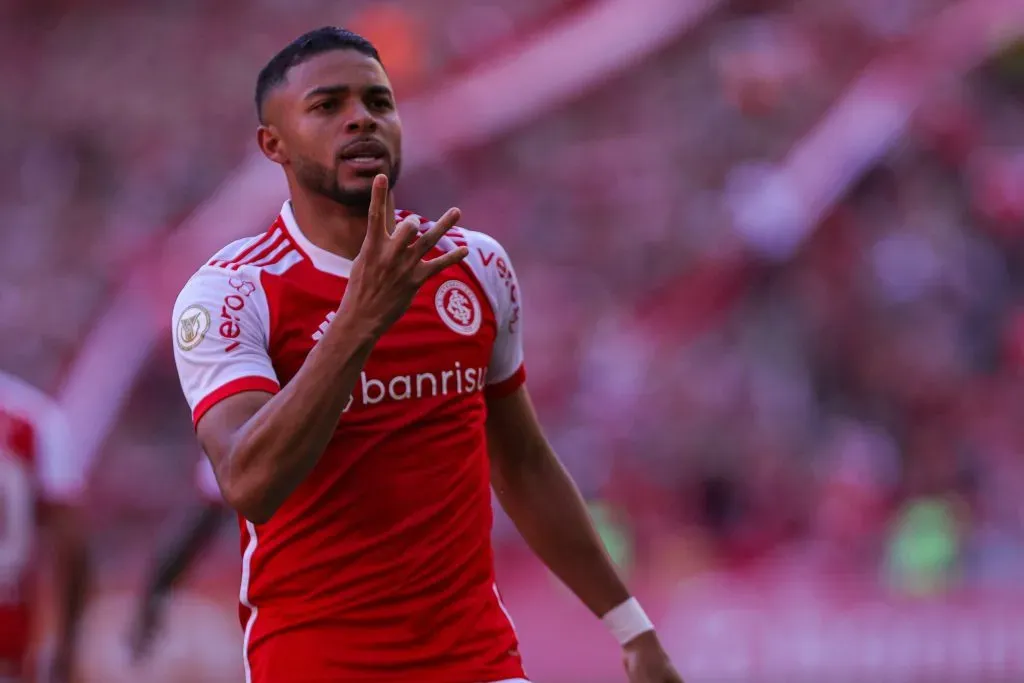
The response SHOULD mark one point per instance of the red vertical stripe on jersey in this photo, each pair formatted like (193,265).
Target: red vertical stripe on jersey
(265,251)
(276,257)
(263,239)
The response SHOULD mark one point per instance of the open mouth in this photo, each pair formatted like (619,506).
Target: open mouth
(364,154)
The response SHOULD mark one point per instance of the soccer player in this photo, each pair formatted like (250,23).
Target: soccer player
(175,558)
(356,378)
(40,484)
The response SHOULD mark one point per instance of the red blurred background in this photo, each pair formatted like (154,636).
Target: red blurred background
(772,259)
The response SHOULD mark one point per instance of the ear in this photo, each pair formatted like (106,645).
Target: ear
(271,144)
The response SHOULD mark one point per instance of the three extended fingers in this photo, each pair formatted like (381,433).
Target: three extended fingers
(382,227)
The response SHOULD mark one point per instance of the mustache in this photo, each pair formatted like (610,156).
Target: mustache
(363,146)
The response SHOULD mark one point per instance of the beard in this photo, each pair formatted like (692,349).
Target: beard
(323,180)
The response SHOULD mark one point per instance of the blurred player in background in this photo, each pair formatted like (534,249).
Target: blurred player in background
(175,558)
(40,484)
(356,377)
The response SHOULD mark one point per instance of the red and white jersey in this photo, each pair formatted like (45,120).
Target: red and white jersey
(379,566)
(36,466)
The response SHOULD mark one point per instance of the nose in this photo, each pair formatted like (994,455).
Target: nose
(360,120)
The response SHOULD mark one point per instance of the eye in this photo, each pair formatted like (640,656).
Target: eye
(326,106)
(381,103)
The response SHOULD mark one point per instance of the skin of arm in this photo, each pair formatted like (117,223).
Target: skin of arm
(262,446)
(542,500)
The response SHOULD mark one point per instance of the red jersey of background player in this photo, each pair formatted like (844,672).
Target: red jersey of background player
(379,566)
(35,467)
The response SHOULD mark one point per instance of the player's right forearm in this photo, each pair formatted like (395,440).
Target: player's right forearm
(282,443)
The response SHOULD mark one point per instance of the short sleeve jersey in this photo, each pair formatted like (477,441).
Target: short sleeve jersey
(379,566)
(37,465)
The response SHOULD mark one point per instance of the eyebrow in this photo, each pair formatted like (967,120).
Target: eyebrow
(336,90)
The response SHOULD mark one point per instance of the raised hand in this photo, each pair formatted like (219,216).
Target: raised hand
(646,661)
(390,268)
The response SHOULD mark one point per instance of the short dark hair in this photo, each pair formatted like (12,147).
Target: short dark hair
(315,42)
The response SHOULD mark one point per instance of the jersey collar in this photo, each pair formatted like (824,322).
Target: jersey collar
(321,259)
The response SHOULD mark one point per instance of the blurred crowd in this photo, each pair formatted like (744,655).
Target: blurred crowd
(129,114)
(854,409)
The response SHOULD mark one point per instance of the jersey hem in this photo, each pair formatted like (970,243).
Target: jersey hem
(235,386)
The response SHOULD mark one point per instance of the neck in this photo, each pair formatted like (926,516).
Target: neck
(331,226)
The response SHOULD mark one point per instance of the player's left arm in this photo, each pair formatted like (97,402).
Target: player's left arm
(540,496)
(62,480)
(542,500)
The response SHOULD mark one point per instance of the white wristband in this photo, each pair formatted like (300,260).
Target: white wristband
(627,621)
